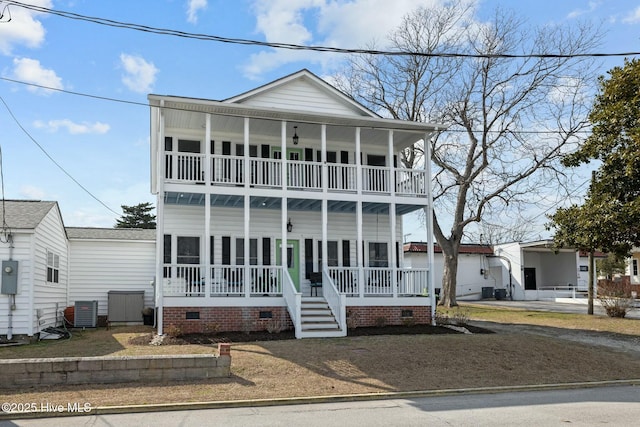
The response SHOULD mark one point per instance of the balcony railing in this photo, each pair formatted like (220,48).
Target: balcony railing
(301,175)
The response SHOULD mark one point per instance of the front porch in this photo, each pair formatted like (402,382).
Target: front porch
(373,293)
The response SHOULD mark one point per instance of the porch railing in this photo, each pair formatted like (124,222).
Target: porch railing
(184,280)
(226,280)
(345,279)
(185,167)
(411,182)
(293,297)
(375,179)
(227,169)
(335,300)
(302,175)
(413,281)
(188,280)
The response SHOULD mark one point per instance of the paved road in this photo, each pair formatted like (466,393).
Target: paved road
(619,406)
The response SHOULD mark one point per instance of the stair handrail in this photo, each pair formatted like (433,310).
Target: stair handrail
(293,298)
(337,302)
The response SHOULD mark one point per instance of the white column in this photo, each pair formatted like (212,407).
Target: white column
(246,161)
(247,211)
(325,187)
(247,222)
(359,239)
(284,207)
(207,150)
(323,159)
(392,216)
(207,245)
(160,162)
(429,216)
(207,206)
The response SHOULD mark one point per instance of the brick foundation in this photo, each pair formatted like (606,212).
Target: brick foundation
(381,315)
(228,319)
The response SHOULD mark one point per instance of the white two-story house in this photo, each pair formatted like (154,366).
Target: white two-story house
(285,204)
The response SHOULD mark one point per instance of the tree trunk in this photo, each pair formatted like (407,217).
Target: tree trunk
(590,286)
(448,292)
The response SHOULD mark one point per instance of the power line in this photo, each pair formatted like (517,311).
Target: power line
(291,46)
(53,160)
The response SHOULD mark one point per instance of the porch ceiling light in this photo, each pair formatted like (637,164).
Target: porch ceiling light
(289,226)
(295,138)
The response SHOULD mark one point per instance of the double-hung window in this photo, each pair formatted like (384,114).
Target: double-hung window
(53,267)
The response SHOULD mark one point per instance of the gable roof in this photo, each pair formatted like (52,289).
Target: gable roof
(465,248)
(297,90)
(92,233)
(24,214)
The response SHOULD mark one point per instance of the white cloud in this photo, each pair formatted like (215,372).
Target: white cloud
(632,17)
(592,7)
(30,71)
(344,24)
(24,28)
(73,128)
(140,74)
(193,7)
(32,193)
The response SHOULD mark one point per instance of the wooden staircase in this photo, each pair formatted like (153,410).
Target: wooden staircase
(317,320)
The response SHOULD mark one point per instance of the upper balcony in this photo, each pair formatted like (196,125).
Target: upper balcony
(226,170)
(295,139)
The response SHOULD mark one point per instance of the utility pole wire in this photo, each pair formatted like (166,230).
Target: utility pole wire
(53,160)
(291,46)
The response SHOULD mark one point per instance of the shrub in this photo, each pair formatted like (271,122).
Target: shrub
(615,297)
(210,328)
(173,331)
(352,319)
(275,326)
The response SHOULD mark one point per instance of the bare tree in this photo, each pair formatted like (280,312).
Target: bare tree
(510,119)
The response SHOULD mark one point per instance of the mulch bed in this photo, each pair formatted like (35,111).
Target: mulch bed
(239,336)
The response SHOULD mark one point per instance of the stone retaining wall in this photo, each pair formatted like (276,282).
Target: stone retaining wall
(114,369)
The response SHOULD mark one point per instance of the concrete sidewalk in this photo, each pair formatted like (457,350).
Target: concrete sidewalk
(565,305)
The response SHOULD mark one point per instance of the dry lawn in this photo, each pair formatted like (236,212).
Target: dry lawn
(318,367)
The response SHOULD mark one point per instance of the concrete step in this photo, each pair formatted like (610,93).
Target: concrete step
(320,326)
(322,333)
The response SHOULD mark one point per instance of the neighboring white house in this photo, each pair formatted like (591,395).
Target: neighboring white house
(542,272)
(476,268)
(519,270)
(111,260)
(33,248)
(294,170)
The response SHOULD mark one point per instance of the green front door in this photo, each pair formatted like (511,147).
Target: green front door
(293,259)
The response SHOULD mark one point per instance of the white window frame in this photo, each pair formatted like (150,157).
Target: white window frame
(53,267)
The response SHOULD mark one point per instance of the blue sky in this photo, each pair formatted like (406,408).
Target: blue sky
(104,145)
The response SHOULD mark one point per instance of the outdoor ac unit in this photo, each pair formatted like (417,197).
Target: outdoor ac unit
(85,314)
